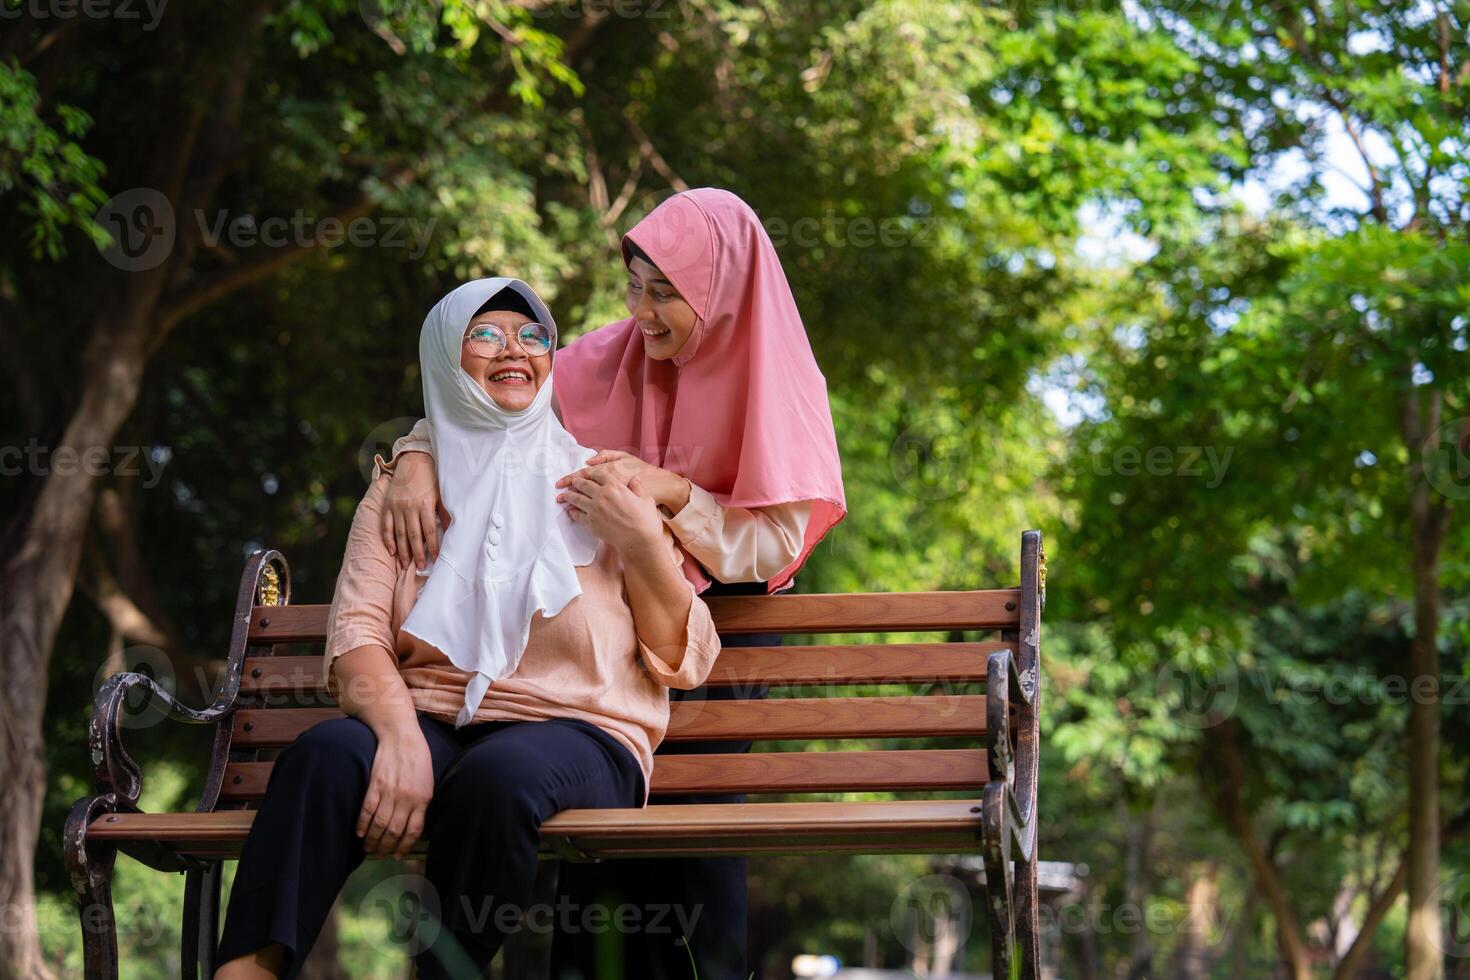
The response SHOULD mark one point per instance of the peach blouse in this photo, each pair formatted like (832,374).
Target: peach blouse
(588,662)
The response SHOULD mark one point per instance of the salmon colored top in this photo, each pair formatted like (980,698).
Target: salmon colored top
(587,663)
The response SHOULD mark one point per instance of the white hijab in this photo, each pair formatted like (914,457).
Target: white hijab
(510,550)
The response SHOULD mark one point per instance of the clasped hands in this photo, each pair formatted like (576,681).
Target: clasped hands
(616,495)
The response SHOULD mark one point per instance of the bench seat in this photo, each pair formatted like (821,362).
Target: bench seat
(894,826)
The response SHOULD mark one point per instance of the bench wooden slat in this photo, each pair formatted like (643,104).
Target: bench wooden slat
(861,612)
(858,771)
(876,717)
(872,663)
(706,828)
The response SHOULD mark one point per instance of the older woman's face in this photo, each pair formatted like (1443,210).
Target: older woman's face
(664,317)
(511,377)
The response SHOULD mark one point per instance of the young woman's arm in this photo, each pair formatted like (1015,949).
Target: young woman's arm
(741,544)
(734,544)
(410,528)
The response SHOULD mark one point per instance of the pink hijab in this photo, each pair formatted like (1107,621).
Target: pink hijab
(742,410)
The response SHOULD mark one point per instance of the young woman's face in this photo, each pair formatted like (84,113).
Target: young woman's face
(664,318)
(511,377)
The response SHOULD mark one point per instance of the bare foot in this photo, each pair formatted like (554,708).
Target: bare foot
(263,964)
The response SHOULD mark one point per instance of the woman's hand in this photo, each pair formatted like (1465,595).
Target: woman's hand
(399,790)
(622,514)
(409,511)
(668,489)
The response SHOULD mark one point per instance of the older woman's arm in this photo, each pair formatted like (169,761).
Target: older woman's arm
(361,673)
(733,543)
(662,601)
(676,635)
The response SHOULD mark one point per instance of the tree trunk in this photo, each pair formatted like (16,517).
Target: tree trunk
(1138,886)
(1191,956)
(36,584)
(1423,940)
(1231,801)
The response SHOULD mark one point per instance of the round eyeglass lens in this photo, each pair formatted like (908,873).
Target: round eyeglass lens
(535,338)
(488,340)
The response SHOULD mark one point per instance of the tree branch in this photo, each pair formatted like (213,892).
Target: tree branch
(651,154)
(1378,909)
(212,288)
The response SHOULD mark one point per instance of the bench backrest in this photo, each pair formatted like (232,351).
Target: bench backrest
(844,692)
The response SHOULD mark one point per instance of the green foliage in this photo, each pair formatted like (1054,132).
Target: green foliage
(43,163)
(1228,518)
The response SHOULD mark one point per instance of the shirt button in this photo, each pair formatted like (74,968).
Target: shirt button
(497,519)
(494,537)
(490,555)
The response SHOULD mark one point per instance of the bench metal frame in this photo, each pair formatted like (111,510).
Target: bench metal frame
(1001,825)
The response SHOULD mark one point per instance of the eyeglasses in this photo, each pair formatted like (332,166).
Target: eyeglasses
(488,340)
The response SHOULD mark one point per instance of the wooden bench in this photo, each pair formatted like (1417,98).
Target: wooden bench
(271,693)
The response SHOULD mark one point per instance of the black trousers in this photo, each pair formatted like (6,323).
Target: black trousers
(494,784)
(707,894)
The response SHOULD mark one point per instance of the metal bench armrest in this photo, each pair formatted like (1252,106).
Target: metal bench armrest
(266,581)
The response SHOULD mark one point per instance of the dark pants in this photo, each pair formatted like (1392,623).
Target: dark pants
(706,893)
(494,784)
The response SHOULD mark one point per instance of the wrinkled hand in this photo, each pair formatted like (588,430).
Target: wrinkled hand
(409,511)
(622,514)
(398,795)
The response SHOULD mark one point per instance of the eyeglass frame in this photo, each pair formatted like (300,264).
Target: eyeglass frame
(504,336)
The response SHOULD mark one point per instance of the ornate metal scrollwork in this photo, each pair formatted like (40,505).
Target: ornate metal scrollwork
(269,592)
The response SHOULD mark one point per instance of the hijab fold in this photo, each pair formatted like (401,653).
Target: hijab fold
(510,550)
(742,409)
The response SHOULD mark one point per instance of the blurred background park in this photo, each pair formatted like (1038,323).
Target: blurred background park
(1182,284)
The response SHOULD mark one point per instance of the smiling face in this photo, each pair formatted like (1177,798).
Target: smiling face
(664,317)
(511,377)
